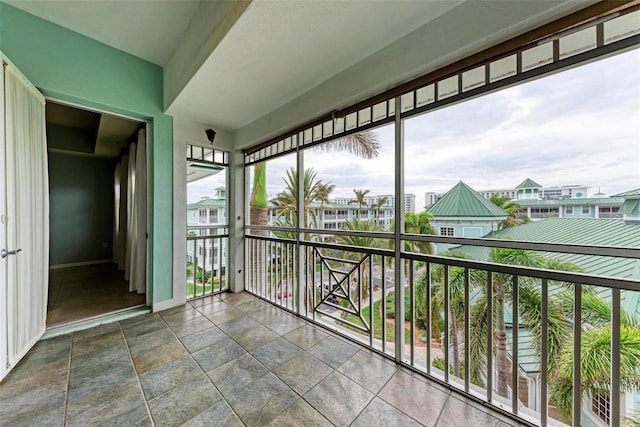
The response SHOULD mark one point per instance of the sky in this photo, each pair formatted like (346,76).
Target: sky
(580,126)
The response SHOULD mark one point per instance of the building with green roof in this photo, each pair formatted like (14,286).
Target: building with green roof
(584,231)
(463,212)
(630,209)
(592,207)
(528,189)
(208,211)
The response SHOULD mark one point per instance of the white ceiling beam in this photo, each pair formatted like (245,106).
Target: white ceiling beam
(207,28)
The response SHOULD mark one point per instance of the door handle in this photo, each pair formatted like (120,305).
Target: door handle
(5,253)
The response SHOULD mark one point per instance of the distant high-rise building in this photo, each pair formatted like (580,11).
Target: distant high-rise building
(527,190)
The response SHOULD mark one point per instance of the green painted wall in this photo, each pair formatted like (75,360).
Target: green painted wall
(74,68)
(80,209)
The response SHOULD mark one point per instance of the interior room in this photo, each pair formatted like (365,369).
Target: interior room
(88,272)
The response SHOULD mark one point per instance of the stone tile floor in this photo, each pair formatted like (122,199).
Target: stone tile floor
(227,360)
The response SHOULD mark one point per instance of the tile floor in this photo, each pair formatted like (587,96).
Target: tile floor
(228,360)
(77,293)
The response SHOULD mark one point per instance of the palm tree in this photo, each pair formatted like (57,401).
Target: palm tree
(380,202)
(286,202)
(529,303)
(258,212)
(595,357)
(513,210)
(360,241)
(360,198)
(322,195)
(455,287)
(363,144)
(419,223)
(323,191)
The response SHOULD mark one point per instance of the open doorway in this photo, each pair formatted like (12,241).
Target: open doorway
(97,193)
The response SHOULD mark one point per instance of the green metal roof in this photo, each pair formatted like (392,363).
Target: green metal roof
(629,194)
(463,201)
(529,183)
(586,231)
(572,202)
(629,206)
(208,203)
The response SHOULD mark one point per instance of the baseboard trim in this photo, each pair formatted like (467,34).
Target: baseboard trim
(167,304)
(80,264)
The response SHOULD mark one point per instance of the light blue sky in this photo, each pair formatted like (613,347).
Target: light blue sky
(581,126)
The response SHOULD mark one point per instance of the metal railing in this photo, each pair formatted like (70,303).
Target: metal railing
(610,215)
(552,214)
(206,260)
(467,324)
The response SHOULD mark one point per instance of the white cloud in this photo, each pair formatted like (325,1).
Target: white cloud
(581,126)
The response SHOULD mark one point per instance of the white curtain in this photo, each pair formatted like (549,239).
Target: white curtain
(116,212)
(27,185)
(131,215)
(130,211)
(138,254)
(121,243)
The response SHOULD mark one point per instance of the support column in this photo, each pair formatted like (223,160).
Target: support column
(237,213)
(399,215)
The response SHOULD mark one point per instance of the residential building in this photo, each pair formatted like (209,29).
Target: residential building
(527,190)
(333,216)
(409,204)
(630,209)
(590,207)
(565,192)
(511,193)
(463,212)
(211,252)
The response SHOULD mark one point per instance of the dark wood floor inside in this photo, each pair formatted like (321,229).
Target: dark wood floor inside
(77,293)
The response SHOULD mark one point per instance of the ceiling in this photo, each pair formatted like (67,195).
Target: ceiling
(252,71)
(278,50)
(74,131)
(80,132)
(147,29)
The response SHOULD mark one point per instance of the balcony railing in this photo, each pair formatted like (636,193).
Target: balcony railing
(464,323)
(610,215)
(552,214)
(206,260)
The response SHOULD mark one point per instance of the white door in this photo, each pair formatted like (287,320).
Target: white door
(24,218)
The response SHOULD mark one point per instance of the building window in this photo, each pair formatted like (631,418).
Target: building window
(568,210)
(203,216)
(446,231)
(213,216)
(586,210)
(600,405)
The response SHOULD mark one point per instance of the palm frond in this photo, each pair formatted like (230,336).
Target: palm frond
(362,144)
(595,365)
(478,341)
(558,328)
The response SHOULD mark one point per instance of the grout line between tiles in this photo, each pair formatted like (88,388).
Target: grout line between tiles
(66,391)
(199,367)
(144,398)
